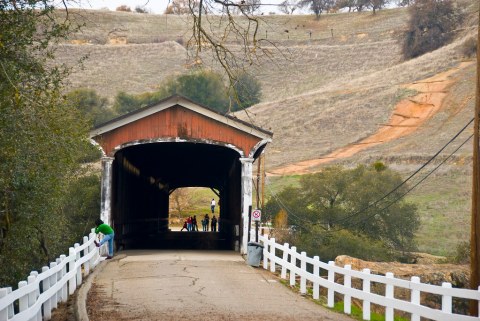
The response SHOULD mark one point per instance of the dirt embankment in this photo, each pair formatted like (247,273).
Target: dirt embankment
(407,117)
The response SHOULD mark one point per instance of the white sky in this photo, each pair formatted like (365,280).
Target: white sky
(155,6)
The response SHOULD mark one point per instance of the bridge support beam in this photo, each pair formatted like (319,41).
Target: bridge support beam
(247,187)
(106,190)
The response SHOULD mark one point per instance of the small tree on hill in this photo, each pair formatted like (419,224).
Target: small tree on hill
(247,92)
(124,8)
(317,6)
(431,26)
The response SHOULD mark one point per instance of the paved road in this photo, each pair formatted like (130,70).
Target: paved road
(194,285)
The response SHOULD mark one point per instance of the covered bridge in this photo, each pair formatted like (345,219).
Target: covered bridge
(176,143)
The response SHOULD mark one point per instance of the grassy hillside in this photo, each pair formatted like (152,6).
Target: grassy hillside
(320,93)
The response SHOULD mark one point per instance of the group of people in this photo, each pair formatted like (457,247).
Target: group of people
(190,224)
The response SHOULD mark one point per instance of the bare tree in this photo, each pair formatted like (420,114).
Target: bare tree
(232,39)
(288,6)
(317,6)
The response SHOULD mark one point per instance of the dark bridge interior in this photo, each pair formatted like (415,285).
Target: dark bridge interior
(144,175)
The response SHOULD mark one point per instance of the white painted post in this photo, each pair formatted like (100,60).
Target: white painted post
(283,274)
(265,252)
(23,301)
(303,268)
(272,255)
(389,290)
(11,311)
(72,283)
(59,278)
(347,298)
(366,289)
(415,297)
(106,190)
(85,252)
(447,299)
(47,307)
(32,296)
(4,312)
(79,268)
(478,310)
(36,294)
(331,293)
(247,187)
(63,272)
(53,281)
(91,248)
(293,262)
(316,272)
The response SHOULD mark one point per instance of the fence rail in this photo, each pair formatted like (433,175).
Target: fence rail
(36,297)
(299,265)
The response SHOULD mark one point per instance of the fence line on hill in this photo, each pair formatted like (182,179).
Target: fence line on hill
(35,298)
(299,265)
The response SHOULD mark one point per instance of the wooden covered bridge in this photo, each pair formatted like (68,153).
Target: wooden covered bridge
(176,143)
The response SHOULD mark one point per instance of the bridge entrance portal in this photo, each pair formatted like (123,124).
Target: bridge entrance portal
(152,152)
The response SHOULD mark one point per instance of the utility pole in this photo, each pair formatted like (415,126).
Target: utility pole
(475,227)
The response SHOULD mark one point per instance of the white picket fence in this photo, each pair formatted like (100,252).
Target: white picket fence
(35,298)
(290,259)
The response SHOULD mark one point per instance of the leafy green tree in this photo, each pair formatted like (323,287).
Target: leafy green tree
(126,103)
(338,199)
(91,105)
(203,86)
(42,138)
(246,92)
(431,26)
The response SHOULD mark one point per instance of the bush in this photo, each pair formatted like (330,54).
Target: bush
(124,8)
(431,26)
(469,47)
(247,92)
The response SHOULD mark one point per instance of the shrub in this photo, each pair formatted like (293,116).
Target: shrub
(247,92)
(431,26)
(124,8)
(469,47)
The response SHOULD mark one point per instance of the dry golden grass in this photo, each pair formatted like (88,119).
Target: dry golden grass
(319,93)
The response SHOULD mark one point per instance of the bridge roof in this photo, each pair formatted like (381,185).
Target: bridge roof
(178,118)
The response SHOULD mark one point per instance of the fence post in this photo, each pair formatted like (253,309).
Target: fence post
(85,253)
(47,307)
(283,274)
(331,293)
(303,268)
(272,255)
(4,312)
(32,296)
(91,248)
(265,252)
(316,272)
(415,297)
(36,294)
(23,301)
(79,267)
(293,262)
(347,298)
(447,299)
(53,281)
(366,289)
(389,294)
(59,278)
(63,257)
(11,311)
(72,283)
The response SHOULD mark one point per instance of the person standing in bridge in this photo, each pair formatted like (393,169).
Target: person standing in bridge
(212,205)
(108,236)
(214,224)
(207,221)
(194,223)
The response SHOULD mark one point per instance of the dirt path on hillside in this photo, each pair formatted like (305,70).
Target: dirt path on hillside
(407,117)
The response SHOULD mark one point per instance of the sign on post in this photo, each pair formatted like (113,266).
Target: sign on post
(256,215)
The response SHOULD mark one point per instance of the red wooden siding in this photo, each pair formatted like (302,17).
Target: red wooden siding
(175,122)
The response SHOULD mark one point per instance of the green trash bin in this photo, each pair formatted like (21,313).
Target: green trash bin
(254,253)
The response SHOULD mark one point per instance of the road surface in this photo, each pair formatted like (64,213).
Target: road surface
(194,285)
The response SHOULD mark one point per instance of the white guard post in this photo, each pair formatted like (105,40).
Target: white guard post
(247,165)
(106,192)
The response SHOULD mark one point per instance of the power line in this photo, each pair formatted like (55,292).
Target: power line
(408,178)
(414,186)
